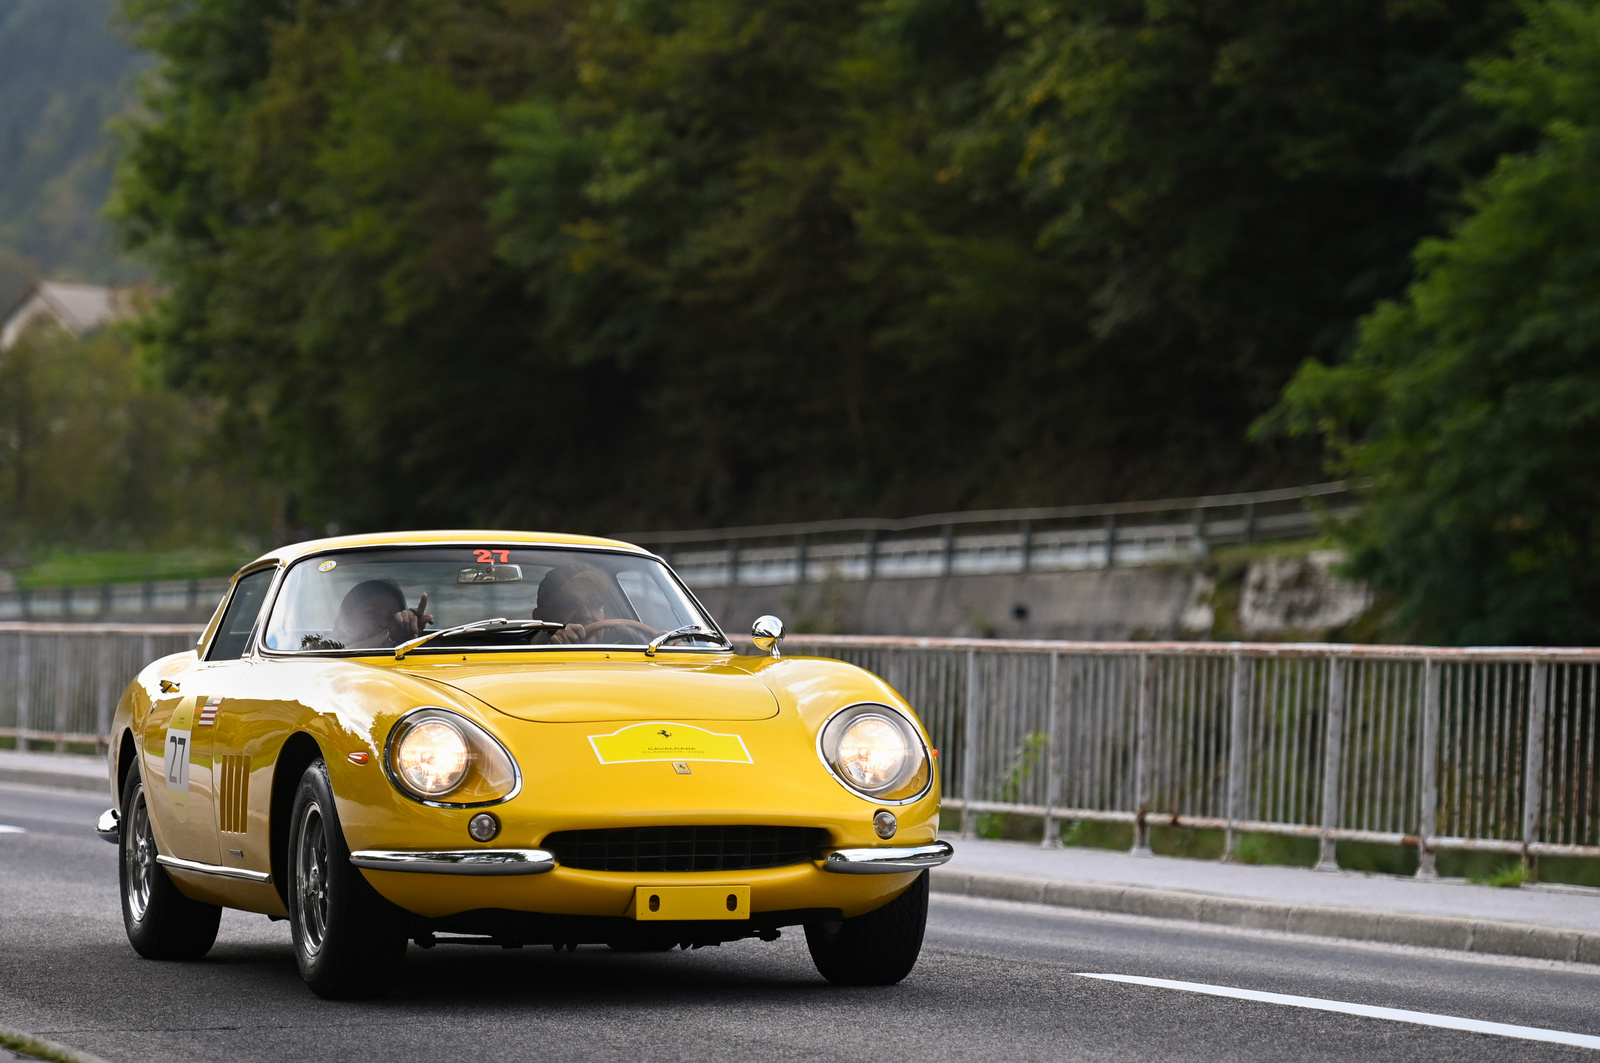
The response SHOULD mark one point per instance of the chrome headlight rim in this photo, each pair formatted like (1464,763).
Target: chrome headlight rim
(842,718)
(473,733)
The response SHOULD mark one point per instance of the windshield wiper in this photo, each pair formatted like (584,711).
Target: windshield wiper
(686,631)
(498,622)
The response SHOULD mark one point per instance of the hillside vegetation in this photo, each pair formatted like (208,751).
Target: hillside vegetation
(63,74)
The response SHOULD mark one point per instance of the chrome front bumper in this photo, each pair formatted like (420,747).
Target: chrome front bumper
(887,861)
(457,861)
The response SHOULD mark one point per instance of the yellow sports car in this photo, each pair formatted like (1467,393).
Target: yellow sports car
(514,739)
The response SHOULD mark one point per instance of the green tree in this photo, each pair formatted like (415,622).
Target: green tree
(94,451)
(1473,404)
(674,261)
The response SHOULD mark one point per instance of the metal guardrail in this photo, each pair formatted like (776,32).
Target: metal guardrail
(1492,749)
(109,601)
(1469,749)
(1061,538)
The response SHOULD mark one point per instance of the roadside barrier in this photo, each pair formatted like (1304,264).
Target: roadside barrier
(1492,749)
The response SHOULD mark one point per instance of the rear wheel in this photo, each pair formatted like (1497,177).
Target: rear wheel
(878,948)
(162,923)
(348,940)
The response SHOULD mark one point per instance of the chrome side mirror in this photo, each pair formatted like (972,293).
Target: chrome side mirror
(767,632)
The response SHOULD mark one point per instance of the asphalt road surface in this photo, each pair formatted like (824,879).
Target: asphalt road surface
(996,981)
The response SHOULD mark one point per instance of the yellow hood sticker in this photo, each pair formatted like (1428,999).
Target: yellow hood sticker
(668,741)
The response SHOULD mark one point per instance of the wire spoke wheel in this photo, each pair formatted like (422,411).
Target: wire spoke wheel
(311,877)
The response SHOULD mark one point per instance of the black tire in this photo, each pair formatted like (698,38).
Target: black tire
(162,923)
(348,940)
(878,948)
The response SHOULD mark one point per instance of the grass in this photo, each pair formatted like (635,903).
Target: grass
(94,567)
(1509,876)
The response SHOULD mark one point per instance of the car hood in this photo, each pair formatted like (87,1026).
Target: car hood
(610,691)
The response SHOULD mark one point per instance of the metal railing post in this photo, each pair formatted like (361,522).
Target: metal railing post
(1238,749)
(1027,545)
(1111,540)
(24,693)
(1533,760)
(1052,764)
(1201,548)
(948,551)
(969,745)
(1332,755)
(1141,770)
(1428,814)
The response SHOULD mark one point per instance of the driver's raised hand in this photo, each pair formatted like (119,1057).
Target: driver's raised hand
(409,623)
(571,635)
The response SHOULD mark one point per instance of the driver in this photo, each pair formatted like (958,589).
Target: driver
(374,615)
(573,596)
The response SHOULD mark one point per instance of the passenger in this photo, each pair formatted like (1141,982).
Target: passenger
(574,596)
(374,615)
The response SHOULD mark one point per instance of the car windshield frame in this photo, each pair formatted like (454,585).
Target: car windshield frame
(285,569)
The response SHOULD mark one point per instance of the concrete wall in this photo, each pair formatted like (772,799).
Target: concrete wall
(1096,604)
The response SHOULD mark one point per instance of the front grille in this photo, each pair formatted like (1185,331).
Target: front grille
(685,848)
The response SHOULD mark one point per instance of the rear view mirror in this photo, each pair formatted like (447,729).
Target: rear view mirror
(490,574)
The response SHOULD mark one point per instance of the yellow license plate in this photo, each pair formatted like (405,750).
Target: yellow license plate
(691,902)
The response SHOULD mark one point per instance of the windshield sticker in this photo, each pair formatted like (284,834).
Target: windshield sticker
(487,557)
(668,741)
(328,565)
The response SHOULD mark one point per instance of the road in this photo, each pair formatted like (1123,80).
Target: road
(996,981)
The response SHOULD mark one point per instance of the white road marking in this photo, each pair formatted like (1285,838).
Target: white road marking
(1420,1018)
(6,828)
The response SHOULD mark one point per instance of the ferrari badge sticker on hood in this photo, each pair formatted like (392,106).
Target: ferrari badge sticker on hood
(668,741)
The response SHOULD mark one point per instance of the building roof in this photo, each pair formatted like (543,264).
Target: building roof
(78,308)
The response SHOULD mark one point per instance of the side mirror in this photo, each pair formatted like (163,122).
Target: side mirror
(767,632)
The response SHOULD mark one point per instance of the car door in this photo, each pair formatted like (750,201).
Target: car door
(183,791)
(221,726)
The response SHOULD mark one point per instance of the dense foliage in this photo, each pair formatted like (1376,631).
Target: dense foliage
(92,450)
(615,262)
(1474,402)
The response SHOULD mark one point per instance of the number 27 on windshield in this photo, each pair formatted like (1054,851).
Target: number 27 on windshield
(486,557)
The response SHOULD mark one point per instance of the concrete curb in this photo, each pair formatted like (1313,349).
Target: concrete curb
(56,780)
(1394,928)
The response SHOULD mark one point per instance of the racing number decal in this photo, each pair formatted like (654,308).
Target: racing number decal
(175,760)
(486,557)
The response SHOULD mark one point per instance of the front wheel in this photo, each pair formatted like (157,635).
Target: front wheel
(878,948)
(348,940)
(162,923)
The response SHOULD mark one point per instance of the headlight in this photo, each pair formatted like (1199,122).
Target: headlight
(433,758)
(876,752)
(434,753)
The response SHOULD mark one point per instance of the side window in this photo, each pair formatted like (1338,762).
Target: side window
(233,634)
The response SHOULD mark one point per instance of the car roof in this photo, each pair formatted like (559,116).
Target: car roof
(464,537)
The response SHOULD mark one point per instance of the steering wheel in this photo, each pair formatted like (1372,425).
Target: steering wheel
(645,630)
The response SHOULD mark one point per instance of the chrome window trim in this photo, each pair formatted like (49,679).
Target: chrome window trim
(457,861)
(842,781)
(203,650)
(388,767)
(890,860)
(260,650)
(213,869)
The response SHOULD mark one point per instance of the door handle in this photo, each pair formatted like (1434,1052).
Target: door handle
(168,687)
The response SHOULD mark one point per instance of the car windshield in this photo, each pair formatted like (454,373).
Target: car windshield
(354,600)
